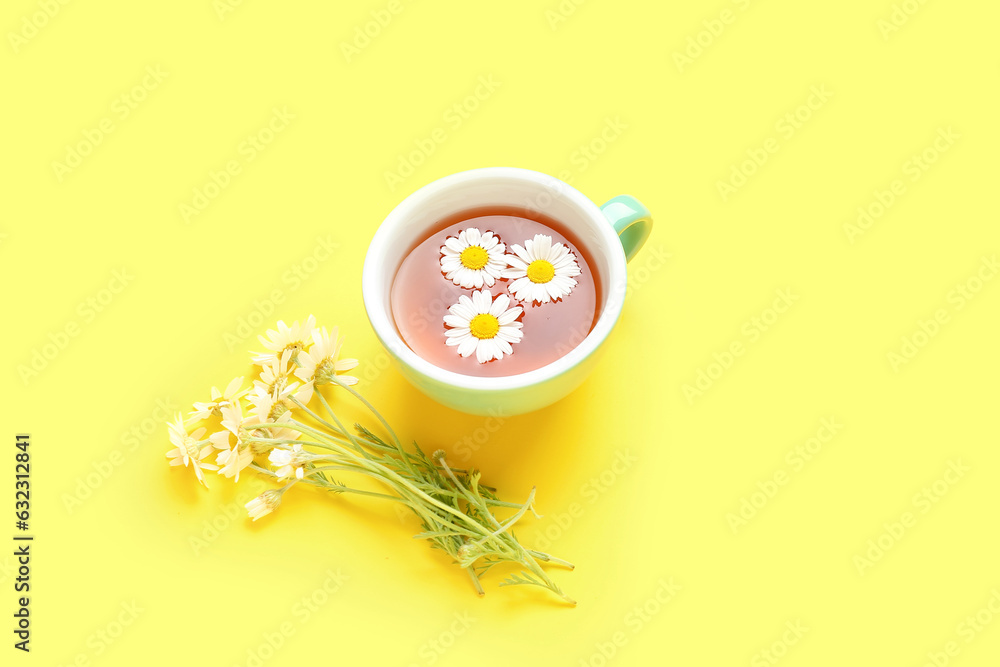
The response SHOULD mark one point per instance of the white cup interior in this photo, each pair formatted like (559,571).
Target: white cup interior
(410,222)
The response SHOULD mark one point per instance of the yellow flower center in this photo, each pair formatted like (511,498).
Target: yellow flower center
(474,258)
(484,326)
(277,410)
(295,347)
(324,371)
(541,271)
(191,447)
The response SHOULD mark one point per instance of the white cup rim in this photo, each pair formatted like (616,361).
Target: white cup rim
(372,284)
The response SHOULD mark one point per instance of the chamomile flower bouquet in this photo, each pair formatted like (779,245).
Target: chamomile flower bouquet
(284,428)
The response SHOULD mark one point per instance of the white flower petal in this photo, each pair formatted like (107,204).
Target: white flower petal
(516,263)
(482,300)
(503,345)
(484,351)
(466,312)
(233,387)
(468,346)
(536,292)
(220,440)
(467,278)
(509,316)
(565,284)
(509,333)
(499,305)
(543,244)
(563,263)
(345,364)
(460,337)
(280,457)
(521,283)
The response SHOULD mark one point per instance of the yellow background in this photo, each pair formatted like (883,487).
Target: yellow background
(564,72)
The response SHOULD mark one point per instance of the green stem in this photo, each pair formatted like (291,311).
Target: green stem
(372,409)
(542,556)
(339,428)
(511,521)
(430,488)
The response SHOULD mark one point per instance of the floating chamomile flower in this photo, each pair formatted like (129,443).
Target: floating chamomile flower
(542,270)
(483,325)
(293,338)
(472,260)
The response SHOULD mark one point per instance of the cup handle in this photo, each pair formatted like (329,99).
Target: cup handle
(631,220)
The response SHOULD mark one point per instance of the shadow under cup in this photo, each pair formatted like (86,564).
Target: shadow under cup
(530,194)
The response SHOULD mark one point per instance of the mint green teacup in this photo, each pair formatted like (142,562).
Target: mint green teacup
(611,234)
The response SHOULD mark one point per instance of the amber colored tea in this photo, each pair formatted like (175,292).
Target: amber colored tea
(493,293)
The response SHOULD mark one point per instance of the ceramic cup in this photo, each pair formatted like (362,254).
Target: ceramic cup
(611,235)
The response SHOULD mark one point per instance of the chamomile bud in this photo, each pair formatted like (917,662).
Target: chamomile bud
(264,504)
